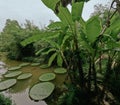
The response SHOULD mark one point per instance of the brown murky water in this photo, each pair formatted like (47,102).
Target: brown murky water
(19,92)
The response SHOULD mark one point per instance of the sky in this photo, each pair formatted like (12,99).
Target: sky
(36,11)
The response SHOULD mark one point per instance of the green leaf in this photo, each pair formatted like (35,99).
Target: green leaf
(24,64)
(100,76)
(40,36)
(51,59)
(7,84)
(56,25)
(70,97)
(13,74)
(82,22)
(93,28)
(30,40)
(61,36)
(51,42)
(14,68)
(59,60)
(49,50)
(112,45)
(24,76)
(114,28)
(82,0)
(44,66)
(115,22)
(50,3)
(77,10)
(65,39)
(40,51)
(60,70)
(65,16)
(35,64)
(47,77)
(41,91)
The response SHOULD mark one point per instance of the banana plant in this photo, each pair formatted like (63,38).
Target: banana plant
(56,49)
(73,34)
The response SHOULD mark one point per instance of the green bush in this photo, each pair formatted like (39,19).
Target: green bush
(12,35)
(5,100)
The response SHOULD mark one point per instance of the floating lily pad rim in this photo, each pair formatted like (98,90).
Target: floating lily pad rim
(30,74)
(14,68)
(18,73)
(24,64)
(35,64)
(9,86)
(60,71)
(44,66)
(39,83)
(41,77)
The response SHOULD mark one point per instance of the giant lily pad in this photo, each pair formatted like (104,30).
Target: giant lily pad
(24,76)
(41,90)
(13,74)
(24,64)
(35,64)
(60,70)
(44,66)
(7,84)
(14,68)
(47,77)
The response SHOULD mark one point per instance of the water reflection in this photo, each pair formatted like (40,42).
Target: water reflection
(23,99)
(20,86)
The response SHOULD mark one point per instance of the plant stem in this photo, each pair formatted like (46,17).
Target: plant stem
(79,62)
(89,75)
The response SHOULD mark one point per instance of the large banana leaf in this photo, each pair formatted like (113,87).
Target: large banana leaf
(56,26)
(114,28)
(50,3)
(77,10)
(48,51)
(52,58)
(59,60)
(51,42)
(65,16)
(39,52)
(93,28)
(66,39)
(38,37)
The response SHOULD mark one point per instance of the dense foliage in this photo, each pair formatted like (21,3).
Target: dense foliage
(11,37)
(5,100)
(89,50)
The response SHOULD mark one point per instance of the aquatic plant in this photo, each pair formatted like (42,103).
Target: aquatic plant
(41,91)
(47,77)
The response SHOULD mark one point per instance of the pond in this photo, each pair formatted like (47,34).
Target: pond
(19,92)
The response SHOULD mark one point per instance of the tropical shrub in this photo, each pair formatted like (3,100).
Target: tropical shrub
(82,47)
(5,100)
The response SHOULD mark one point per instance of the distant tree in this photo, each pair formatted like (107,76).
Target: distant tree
(13,34)
(100,9)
